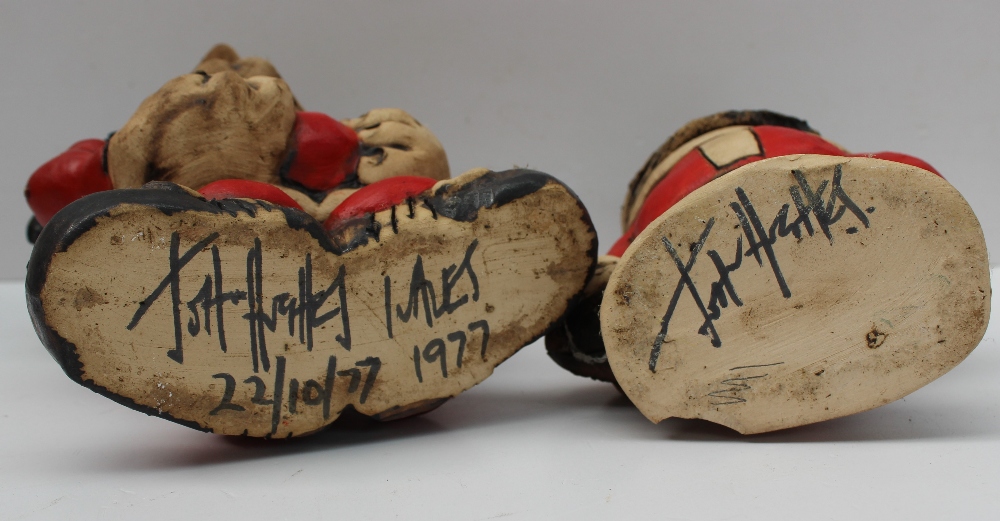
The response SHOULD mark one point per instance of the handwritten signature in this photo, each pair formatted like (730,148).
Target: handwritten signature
(301,312)
(312,306)
(808,203)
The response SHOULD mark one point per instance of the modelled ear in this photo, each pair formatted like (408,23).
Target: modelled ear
(224,58)
(218,58)
(395,144)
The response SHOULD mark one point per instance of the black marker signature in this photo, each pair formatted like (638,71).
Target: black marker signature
(808,204)
(302,312)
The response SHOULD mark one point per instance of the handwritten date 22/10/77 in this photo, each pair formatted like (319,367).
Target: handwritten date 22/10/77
(309,393)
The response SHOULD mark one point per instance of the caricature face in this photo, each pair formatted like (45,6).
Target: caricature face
(233,118)
(397,144)
(393,144)
(202,127)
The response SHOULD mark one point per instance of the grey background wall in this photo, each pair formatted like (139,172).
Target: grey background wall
(582,90)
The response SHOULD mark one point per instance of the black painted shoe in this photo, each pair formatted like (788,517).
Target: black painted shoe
(240,317)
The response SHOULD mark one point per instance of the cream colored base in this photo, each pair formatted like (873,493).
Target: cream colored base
(526,258)
(863,318)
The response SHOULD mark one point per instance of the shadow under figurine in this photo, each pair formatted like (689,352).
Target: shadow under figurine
(767,279)
(278,266)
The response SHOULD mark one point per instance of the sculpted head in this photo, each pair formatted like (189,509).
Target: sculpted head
(397,144)
(235,118)
(202,127)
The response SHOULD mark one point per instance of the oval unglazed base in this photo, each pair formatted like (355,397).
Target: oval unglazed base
(795,290)
(240,317)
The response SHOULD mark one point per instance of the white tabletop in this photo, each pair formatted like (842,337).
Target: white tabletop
(531,442)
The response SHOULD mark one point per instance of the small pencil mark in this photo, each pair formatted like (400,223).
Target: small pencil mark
(736,385)
(753,366)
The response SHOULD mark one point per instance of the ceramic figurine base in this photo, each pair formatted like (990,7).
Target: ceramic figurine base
(782,291)
(241,317)
(879,287)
